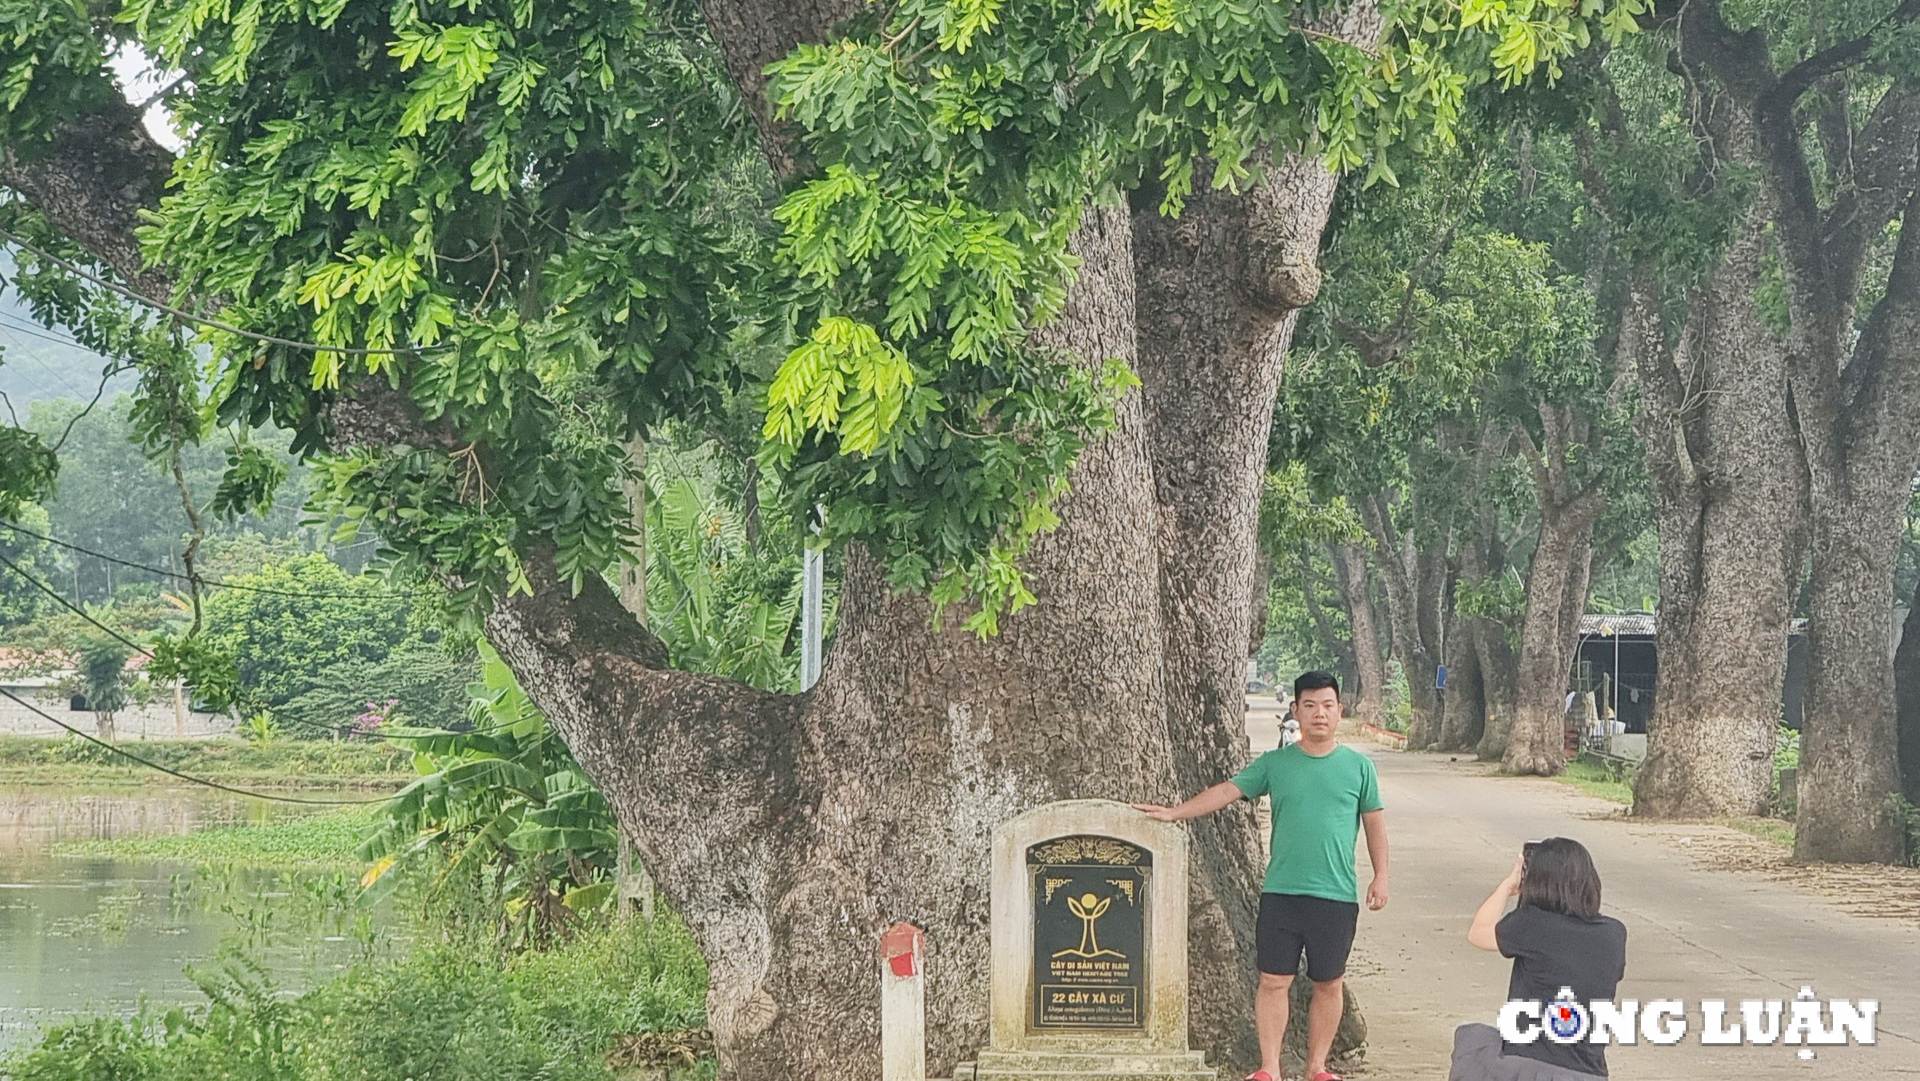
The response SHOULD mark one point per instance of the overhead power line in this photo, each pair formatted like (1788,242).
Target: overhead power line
(335,729)
(74,608)
(21,326)
(171,772)
(215,583)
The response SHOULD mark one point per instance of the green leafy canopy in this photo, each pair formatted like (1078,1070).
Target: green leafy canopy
(538,207)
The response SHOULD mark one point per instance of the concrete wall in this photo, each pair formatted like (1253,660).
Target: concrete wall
(156,721)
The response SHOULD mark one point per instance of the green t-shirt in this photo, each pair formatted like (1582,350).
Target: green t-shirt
(1317,804)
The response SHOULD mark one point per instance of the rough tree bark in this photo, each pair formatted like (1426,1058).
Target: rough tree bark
(1500,686)
(1439,570)
(789,830)
(1489,642)
(1855,388)
(823,818)
(1219,289)
(1556,596)
(1464,716)
(1728,494)
(1369,664)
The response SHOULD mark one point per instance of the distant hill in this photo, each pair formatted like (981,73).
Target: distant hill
(36,362)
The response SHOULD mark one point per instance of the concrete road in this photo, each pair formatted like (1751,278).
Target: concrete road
(1710,913)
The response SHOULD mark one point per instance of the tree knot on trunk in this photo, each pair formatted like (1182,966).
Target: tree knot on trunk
(1293,275)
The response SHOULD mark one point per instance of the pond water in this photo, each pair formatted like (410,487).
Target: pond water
(81,935)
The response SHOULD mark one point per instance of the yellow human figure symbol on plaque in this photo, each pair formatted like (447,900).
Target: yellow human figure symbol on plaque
(1089,908)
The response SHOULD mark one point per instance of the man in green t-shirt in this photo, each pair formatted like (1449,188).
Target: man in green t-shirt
(1323,793)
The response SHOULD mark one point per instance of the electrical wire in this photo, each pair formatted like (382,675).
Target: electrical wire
(215,583)
(75,609)
(21,326)
(334,729)
(180,313)
(171,772)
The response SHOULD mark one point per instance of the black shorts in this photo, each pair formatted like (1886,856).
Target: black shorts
(1290,922)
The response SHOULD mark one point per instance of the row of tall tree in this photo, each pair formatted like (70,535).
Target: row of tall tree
(1678,290)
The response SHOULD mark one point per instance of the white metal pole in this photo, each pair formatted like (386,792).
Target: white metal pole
(813,587)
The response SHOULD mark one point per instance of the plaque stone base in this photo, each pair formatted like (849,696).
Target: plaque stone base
(1086,1066)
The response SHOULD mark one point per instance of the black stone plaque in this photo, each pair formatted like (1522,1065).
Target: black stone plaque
(1090,897)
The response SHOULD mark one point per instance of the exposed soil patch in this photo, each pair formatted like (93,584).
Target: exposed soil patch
(1862,889)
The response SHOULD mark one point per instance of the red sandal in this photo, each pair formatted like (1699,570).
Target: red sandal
(1261,1075)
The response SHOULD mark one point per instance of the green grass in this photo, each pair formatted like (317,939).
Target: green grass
(1777,830)
(1595,779)
(439,1011)
(286,762)
(325,839)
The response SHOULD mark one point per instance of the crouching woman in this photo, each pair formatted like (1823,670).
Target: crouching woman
(1557,938)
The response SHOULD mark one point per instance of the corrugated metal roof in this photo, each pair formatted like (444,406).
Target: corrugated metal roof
(1609,625)
(1645,625)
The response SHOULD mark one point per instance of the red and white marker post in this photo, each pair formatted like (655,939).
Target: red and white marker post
(903,1004)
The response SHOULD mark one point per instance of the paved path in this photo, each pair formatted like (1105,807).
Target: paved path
(1705,916)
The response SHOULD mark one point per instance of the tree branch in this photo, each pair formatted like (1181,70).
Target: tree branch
(1536,462)
(1830,61)
(1882,384)
(91,182)
(1880,169)
(752,34)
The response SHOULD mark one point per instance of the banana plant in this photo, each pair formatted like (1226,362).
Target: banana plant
(717,605)
(505,796)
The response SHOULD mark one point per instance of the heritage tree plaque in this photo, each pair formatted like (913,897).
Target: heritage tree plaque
(1090,904)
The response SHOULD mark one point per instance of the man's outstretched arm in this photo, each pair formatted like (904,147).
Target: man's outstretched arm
(1220,795)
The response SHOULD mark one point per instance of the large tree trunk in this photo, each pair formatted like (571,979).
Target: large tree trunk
(1556,598)
(1556,593)
(1464,717)
(790,831)
(1729,496)
(1861,430)
(1849,770)
(1500,685)
(1729,493)
(1437,574)
(1906,689)
(1124,680)
(825,818)
(1226,280)
(1855,388)
(1486,641)
(1370,665)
